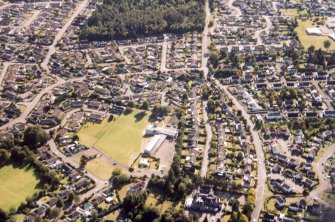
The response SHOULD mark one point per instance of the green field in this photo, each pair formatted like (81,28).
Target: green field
(16,184)
(308,40)
(120,139)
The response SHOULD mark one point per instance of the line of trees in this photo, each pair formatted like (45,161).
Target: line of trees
(124,19)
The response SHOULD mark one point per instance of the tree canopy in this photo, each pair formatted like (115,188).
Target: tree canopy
(122,19)
(35,136)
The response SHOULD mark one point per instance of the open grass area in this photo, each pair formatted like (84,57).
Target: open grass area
(154,201)
(16,184)
(100,168)
(120,139)
(290,12)
(113,216)
(309,40)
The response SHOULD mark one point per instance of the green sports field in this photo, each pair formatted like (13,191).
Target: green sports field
(120,139)
(16,184)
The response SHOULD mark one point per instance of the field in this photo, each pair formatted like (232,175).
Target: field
(99,166)
(16,185)
(120,139)
(308,40)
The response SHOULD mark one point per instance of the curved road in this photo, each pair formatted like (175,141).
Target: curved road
(31,105)
(209,134)
(261,170)
(319,170)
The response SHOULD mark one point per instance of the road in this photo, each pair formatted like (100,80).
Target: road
(51,48)
(266,29)
(204,50)
(236,9)
(164,54)
(4,70)
(319,170)
(325,97)
(261,170)
(209,134)
(31,18)
(99,183)
(31,105)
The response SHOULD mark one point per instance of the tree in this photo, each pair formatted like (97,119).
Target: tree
(243,218)
(305,192)
(4,156)
(326,44)
(235,204)
(54,212)
(35,136)
(3,215)
(83,162)
(145,105)
(59,203)
(159,110)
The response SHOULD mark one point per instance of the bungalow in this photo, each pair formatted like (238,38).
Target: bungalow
(289,104)
(268,217)
(295,207)
(286,188)
(293,115)
(77,104)
(280,202)
(274,116)
(329,114)
(118,110)
(96,117)
(81,184)
(311,115)
(94,105)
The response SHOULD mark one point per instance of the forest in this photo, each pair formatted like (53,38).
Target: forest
(128,19)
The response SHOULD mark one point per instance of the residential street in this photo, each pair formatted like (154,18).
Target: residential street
(324,184)
(204,165)
(51,48)
(261,170)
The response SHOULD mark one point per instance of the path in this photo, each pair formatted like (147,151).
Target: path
(204,166)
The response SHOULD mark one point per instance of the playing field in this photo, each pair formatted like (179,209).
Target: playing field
(308,40)
(120,139)
(16,184)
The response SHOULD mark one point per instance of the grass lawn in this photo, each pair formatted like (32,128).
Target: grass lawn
(153,201)
(290,12)
(120,139)
(308,40)
(100,168)
(113,215)
(16,185)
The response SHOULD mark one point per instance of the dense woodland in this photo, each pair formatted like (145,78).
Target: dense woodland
(126,19)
